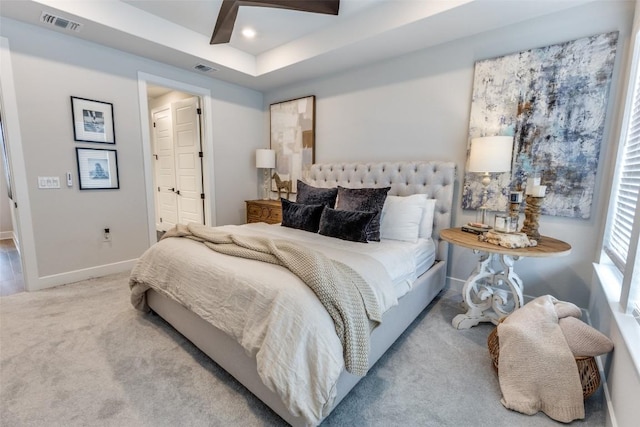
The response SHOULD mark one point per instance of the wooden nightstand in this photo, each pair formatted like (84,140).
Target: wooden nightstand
(269,211)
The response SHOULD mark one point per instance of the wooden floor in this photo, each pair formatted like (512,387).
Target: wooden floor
(10,269)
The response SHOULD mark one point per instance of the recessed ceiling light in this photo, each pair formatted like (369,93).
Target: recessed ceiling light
(249,32)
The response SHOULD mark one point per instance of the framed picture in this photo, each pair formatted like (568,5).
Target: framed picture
(92,121)
(97,169)
(293,128)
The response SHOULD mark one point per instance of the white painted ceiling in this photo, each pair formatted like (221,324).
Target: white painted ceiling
(290,46)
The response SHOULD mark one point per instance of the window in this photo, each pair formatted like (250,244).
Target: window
(621,242)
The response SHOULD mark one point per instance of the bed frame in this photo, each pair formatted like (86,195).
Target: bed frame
(435,178)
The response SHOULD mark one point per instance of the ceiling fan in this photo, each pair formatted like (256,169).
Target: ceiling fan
(229,11)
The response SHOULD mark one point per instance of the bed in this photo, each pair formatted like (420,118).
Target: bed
(234,349)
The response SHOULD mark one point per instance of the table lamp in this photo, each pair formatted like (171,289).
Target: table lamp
(265,160)
(487,155)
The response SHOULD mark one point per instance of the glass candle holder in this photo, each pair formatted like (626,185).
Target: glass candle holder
(505,224)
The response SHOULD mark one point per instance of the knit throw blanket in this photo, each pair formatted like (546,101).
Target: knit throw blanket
(345,295)
(536,368)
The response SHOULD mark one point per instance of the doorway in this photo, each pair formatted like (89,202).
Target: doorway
(176,142)
(193,166)
(11,278)
(152,87)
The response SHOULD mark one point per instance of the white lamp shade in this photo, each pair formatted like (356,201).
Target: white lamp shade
(265,159)
(491,154)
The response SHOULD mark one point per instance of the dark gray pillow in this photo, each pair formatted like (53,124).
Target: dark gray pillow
(367,200)
(310,195)
(345,225)
(302,217)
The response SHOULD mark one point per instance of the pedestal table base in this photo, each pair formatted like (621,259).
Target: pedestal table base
(488,294)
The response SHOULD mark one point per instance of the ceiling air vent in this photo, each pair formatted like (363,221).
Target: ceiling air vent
(62,23)
(204,68)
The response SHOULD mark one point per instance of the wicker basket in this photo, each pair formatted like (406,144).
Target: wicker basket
(587,367)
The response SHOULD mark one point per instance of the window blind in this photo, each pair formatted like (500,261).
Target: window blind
(626,186)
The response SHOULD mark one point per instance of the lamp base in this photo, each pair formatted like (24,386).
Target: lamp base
(266,183)
(486,180)
(483,218)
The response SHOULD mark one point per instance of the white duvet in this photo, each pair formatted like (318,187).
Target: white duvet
(268,310)
(403,261)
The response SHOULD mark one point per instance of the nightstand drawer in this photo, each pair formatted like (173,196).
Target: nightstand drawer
(269,211)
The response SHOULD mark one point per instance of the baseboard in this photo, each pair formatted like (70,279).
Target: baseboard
(6,235)
(45,282)
(610,417)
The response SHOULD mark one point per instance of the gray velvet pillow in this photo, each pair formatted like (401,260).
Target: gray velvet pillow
(302,217)
(310,195)
(345,225)
(367,200)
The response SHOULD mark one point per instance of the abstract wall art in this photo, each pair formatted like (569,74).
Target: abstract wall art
(553,100)
(293,138)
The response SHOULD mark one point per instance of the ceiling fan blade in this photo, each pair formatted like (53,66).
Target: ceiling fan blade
(328,7)
(225,21)
(229,11)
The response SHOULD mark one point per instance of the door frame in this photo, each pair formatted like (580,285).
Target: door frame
(21,207)
(207,146)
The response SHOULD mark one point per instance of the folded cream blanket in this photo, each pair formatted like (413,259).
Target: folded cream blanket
(537,370)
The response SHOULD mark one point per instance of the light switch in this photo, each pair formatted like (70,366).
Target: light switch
(48,182)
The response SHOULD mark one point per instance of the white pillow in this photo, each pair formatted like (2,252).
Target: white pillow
(401,217)
(426,225)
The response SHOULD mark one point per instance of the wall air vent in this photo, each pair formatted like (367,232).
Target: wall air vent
(205,68)
(60,22)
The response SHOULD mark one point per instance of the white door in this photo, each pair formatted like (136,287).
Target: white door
(188,163)
(165,173)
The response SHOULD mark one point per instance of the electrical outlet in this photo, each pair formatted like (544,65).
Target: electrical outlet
(106,235)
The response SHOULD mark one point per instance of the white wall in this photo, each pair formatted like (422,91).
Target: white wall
(417,107)
(48,68)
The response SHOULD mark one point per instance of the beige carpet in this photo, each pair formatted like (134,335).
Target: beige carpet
(80,355)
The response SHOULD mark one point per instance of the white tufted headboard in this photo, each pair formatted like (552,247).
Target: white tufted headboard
(436,179)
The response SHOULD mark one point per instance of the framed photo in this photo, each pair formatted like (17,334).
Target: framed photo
(293,128)
(97,169)
(92,121)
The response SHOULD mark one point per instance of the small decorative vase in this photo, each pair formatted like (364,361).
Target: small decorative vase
(532,217)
